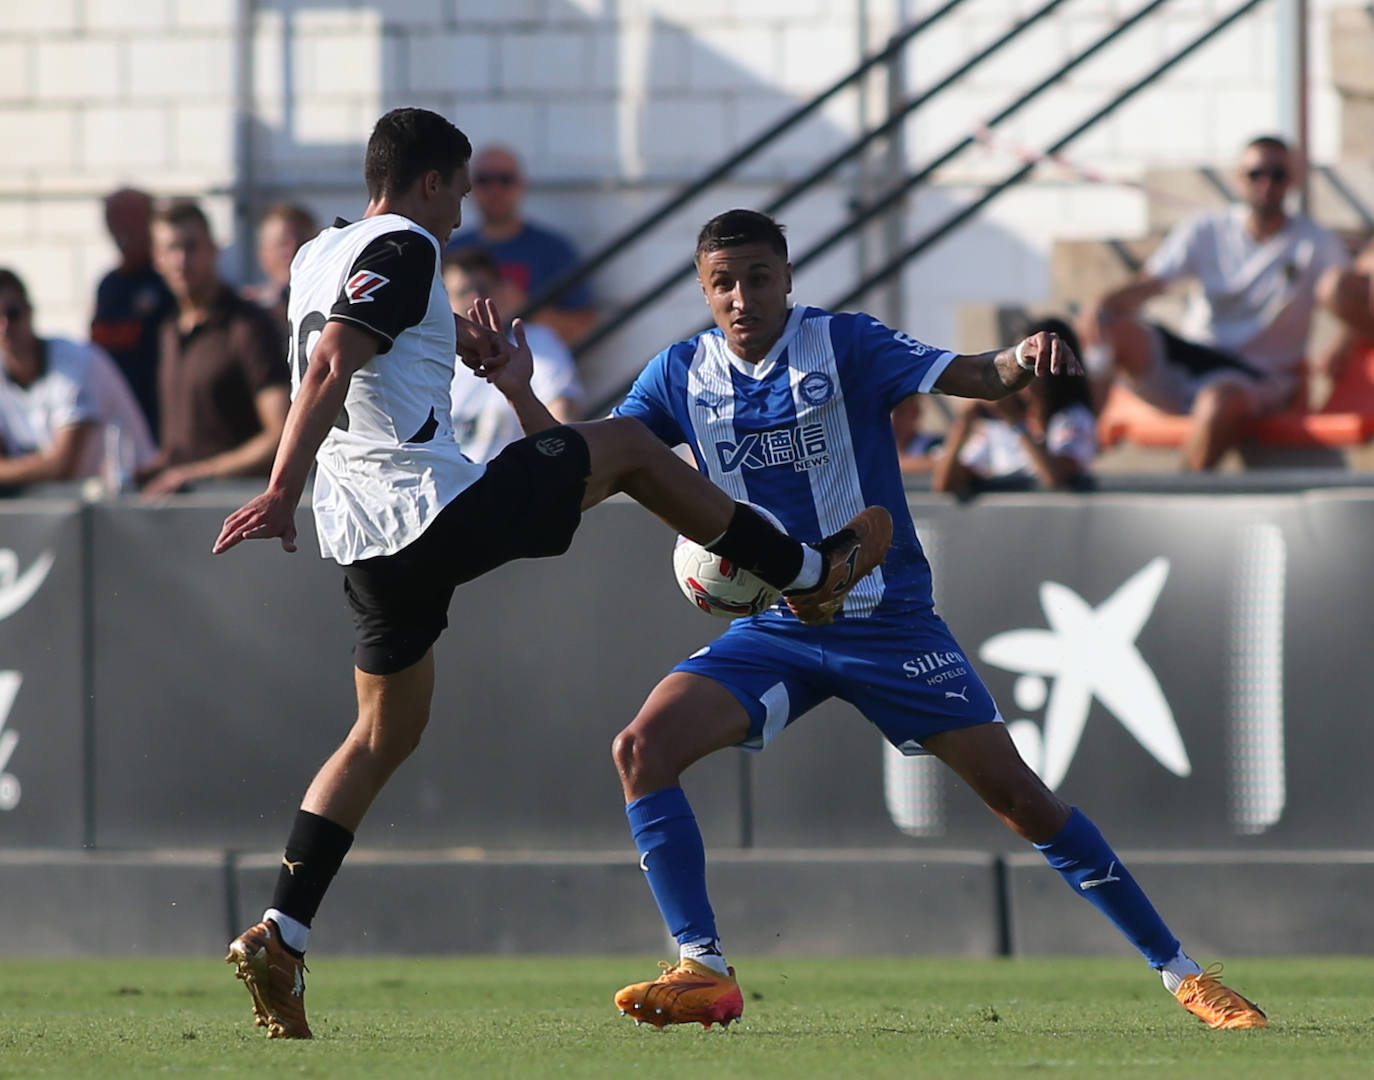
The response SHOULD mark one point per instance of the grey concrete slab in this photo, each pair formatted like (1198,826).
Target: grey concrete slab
(65,903)
(1218,904)
(799,903)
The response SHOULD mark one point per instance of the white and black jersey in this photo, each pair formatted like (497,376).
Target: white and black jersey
(390,463)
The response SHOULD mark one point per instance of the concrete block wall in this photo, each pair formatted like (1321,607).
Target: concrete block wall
(615,104)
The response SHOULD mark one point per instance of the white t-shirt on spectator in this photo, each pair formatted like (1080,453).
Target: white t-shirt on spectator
(80,384)
(1255,299)
(994,450)
(483,421)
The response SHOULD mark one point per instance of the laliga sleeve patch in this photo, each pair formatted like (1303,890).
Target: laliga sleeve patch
(363,284)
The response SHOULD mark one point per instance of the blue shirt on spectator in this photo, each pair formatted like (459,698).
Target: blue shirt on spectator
(532,258)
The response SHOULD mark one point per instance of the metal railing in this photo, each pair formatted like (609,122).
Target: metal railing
(724,168)
(891,198)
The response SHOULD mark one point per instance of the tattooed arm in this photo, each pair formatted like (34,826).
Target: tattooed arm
(995,374)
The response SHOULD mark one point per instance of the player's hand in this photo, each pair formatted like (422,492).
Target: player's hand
(478,344)
(270,514)
(1050,354)
(512,371)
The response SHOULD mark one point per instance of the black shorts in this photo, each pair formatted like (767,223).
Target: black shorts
(527,505)
(1200,360)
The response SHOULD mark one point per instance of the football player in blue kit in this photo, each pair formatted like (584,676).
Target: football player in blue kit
(372,344)
(787,407)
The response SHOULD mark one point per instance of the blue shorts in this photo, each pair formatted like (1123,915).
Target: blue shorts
(908,676)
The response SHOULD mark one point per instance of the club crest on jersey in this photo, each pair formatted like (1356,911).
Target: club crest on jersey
(362,285)
(816,389)
(551,446)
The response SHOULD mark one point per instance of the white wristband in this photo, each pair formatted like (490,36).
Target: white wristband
(1020,357)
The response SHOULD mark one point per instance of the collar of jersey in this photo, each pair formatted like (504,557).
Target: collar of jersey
(762,369)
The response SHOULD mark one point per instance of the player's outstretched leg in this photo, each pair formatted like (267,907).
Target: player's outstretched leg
(850,556)
(275,978)
(985,757)
(627,457)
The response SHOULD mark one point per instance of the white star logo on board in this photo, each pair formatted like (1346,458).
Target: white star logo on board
(1089,653)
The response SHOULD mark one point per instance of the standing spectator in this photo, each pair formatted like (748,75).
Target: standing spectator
(66,413)
(1045,435)
(222,375)
(281,232)
(483,420)
(132,301)
(529,255)
(1239,352)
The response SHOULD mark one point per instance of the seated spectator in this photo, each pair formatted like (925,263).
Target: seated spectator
(132,301)
(531,256)
(915,447)
(1239,352)
(281,232)
(1043,436)
(223,381)
(66,412)
(483,421)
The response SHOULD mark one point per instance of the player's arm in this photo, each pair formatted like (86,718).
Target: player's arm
(53,463)
(993,375)
(342,350)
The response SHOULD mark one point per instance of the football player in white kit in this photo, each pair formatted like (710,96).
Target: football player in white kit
(788,406)
(372,342)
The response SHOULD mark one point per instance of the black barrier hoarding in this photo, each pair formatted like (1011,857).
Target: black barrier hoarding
(1180,667)
(42,737)
(225,681)
(1186,668)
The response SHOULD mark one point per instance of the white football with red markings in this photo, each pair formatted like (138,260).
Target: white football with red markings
(717,586)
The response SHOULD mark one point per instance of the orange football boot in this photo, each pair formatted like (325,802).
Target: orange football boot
(275,978)
(686,993)
(1216,1005)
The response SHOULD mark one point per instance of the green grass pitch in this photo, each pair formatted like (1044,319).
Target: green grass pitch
(535,1017)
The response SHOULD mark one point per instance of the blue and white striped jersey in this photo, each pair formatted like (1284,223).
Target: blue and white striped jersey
(806,432)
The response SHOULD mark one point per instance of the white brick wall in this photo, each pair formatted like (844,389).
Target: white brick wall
(642,94)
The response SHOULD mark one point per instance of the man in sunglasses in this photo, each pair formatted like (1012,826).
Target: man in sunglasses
(530,256)
(66,412)
(1238,355)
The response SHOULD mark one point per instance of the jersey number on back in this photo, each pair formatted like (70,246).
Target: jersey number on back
(297,341)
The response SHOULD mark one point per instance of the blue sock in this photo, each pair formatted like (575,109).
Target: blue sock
(673,857)
(1086,861)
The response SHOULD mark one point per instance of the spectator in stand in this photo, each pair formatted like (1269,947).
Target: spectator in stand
(223,380)
(66,412)
(1044,436)
(1239,352)
(281,232)
(531,256)
(132,301)
(915,447)
(483,421)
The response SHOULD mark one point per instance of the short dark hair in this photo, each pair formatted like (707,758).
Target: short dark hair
(181,212)
(1268,142)
(406,144)
(10,280)
(472,259)
(735,228)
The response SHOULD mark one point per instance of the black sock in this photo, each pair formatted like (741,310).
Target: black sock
(314,853)
(753,542)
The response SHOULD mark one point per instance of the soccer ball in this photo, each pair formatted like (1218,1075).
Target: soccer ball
(716,585)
